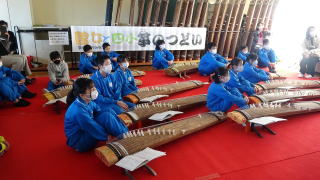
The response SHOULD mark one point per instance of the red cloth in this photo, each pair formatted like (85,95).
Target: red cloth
(39,151)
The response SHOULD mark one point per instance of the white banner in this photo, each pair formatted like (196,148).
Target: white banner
(58,38)
(132,38)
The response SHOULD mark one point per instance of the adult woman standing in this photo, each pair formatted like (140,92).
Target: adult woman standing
(311,53)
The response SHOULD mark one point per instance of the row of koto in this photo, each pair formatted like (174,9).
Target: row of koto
(274,99)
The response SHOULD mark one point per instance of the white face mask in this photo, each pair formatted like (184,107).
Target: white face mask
(312,33)
(255,63)
(214,51)
(89,54)
(93,95)
(125,65)
(245,51)
(162,46)
(239,69)
(107,69)
(0,63)
(266,47)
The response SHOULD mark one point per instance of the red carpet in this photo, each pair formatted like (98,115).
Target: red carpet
(225,151)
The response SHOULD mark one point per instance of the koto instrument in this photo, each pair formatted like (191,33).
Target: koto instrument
(273,109)
(138,140)
(181,69)
(62,91)
(138,82)
(277,76)
(138,73)
(144,111)
(276,95)
(274,84)
(162,90)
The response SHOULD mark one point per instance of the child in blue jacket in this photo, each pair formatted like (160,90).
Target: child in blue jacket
(85,124)
(112,55)
(109,88)
(124,75)
(252,73)
(211,61)
(267,57)
(12,87)
(243,53)
(162,58)
(221,97)
(236,81)
(87,63)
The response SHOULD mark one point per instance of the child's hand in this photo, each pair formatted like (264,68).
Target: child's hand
(123,105)
(170,62)
(22,81)
(95,67)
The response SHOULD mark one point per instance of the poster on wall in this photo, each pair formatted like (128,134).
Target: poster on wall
(58,37)
(128,38)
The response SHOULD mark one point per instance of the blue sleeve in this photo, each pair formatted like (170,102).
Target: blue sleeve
(263,57)
(132,81)
(221,59)
(15,75)
(158,55)
(246,86)
(243,85)
(169,55)
(86,62)
(114,54)
(104,100)
(272,56)
(222,92)
(93,60)
(260,74)
(91,126)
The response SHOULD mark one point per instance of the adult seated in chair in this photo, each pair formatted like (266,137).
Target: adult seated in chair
(109,87)
(211,61)
(12,87)
(267,57)
(311,53)
(9,52)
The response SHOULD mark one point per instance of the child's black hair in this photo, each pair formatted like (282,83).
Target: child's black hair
(104,45)
(252,57)
(221,71)
(80,86)
(121,59)
(54,55)
(86,48)
(158,43)
(243,47)
(210,45)
(235,62)
(265,41)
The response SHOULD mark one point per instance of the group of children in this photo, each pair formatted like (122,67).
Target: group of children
(239,76)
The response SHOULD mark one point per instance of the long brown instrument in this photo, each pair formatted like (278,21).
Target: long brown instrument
(275,84)
(137,140)
(181,69)
(162,90)
(277,95)
(274,109)
(137,73)
(62,91)
(144,111)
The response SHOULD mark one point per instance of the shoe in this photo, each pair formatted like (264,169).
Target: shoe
(273,71)
(308,76)
(22,103)
(30,81)
(300,75)
(28,94)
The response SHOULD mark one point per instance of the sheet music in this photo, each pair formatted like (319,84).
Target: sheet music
(134,161)
(266,120)
(149,154)
(63,99)
(131,162)
(153,98)
(164,115)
